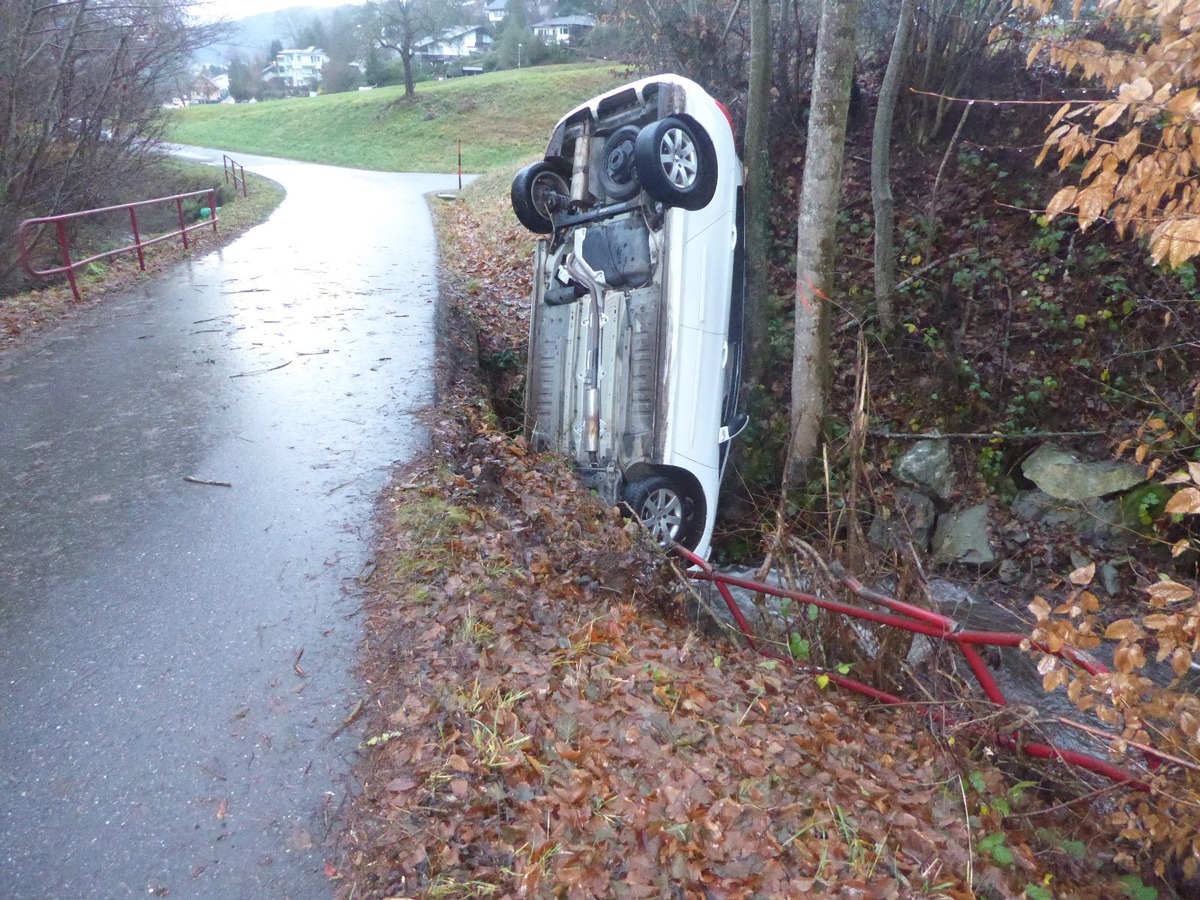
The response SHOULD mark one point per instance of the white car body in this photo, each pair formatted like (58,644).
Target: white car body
(649,398)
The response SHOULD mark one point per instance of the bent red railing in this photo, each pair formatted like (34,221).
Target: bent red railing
(917,620)
(235,172)
(64,242)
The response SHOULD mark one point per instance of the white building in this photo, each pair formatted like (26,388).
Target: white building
(496,10)
(455,43)
(564,29)
(298,68)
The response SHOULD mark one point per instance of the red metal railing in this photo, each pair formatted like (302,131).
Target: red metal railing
(914,619)
(235,172)
(64,242)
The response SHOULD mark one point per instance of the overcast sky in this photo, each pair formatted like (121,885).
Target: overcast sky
(240,9)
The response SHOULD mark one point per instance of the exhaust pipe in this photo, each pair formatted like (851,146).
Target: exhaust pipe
(578,269)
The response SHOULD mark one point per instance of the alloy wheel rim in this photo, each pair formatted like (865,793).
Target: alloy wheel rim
(677,153)
(662,514)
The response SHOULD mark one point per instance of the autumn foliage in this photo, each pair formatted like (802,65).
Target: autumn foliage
(1147,704)
(1139,146)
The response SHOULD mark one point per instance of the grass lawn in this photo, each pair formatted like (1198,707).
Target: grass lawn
(501,118)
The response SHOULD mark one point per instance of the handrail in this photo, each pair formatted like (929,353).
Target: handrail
(234,171)
(918,621)
(69,266)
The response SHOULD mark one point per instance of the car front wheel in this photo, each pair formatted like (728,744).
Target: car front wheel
(676,163)
(535,191)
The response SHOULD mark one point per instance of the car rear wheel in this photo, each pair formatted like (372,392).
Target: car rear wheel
(664,508)
(618,176)
(532,192)
(676,163)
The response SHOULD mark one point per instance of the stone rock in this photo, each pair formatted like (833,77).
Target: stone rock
(962,537)
(1067,476)
(1095,520)
(910,520)
(1079,560)
(927,466)
(1110,579)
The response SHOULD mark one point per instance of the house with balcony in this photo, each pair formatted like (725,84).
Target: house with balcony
(564,30)
(495,10)
(299,68)
(454,43)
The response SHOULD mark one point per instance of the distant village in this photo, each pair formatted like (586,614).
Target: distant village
(341,52)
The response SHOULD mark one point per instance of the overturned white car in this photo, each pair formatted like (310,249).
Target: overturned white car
(635,334)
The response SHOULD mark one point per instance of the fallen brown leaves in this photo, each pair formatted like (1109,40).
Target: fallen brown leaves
(544,722)
(542,728)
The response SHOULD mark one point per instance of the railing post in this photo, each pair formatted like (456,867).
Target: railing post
(243,171)
(460,165)
(66,252)
(182,229)
(212,206)
(137,238)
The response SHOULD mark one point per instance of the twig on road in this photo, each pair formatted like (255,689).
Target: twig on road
(261,371)
(193,480)
(349,720)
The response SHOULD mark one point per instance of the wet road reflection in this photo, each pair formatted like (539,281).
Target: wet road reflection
(175,657)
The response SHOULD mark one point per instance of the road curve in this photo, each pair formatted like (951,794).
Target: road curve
(175,657)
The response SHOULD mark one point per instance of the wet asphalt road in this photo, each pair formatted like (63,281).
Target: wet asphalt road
(174,657)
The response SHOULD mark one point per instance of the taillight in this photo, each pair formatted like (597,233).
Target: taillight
(725,109)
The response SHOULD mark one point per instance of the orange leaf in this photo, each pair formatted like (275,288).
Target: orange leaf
(1061,201)
(1181,663)
(1110,112)
(1183,103)
(1033,54)
(1169,592)
(1062,110)
(1137,91)
(1040,609)
(1084,575)
(1184,502)
(1121,629)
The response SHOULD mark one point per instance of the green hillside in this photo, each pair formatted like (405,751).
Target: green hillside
(501,117)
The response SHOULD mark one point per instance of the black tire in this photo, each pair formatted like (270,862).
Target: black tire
(530,191)
(676,163)
(666,510)
(618,173)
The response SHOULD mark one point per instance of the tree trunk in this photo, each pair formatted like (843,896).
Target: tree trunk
(817,228)
(410,88)
(783,53)
(758,204)
(881,163)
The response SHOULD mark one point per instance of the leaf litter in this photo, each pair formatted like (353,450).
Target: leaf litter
(547,719)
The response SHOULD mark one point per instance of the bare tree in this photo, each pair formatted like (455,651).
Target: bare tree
(820,192)
(758,185)
(881,156)
(81,86)
(401,24)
